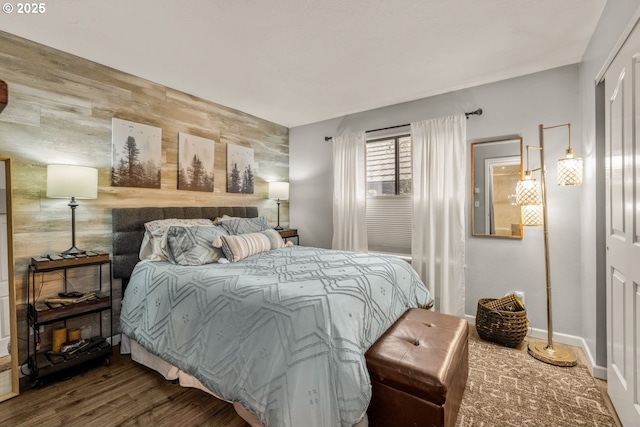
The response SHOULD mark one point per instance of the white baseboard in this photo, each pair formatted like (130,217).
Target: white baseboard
(596,371)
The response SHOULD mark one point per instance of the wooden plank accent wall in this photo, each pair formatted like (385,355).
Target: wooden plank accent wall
(59,111)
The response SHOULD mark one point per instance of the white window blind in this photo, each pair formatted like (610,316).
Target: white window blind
(389,202)
(389,224)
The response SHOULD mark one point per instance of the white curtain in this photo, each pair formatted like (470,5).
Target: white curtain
(349,193)
(437,248)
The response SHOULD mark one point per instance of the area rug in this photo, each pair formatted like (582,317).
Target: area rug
(509,388)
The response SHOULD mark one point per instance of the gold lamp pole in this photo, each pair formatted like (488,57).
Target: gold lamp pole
(550,353)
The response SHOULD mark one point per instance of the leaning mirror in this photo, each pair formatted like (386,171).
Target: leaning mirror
(496,167)
(9,386)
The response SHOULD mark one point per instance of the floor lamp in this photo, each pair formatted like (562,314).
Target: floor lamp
(77,182)
(279,191)
(533,200)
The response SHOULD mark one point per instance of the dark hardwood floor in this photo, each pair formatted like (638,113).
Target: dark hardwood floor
(121,394)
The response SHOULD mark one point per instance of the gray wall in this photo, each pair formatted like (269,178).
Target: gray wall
(614,19)
(493,266)
(516,106)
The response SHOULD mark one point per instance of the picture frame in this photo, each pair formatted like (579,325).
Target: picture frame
(196,157)
(136,154)
(240,169)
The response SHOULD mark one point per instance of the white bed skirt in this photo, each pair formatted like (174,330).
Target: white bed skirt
(142,356)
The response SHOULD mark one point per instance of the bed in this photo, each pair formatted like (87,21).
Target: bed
(280,333)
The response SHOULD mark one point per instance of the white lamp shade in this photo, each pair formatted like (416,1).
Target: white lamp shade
(279,190)
(532,215)
(570,171)
(528,192)
(65,181)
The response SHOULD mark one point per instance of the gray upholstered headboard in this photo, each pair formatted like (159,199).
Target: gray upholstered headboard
(128,230)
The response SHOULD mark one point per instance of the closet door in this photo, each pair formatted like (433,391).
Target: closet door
(622,90)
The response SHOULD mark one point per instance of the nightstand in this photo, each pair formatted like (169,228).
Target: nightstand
(54,312)
(289,233)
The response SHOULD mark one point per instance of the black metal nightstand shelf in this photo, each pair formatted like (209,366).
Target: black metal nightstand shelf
(95,349)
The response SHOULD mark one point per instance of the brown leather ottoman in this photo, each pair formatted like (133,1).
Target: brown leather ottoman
(419,370)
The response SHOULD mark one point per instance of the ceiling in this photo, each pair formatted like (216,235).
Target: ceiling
(296,62)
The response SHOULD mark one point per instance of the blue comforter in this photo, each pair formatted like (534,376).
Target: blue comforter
(282,332)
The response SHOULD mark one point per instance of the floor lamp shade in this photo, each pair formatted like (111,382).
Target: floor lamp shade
(75,182)
(570,167)
(279,191)
(528,191)
(532,215)
(529,197)
(570,170)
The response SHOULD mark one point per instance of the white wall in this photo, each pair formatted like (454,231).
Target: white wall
(494,266)
(311,183)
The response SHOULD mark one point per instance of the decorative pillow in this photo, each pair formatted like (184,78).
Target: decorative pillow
(146,247)
(241,246)
(153,247)
(192,245)
(245,225)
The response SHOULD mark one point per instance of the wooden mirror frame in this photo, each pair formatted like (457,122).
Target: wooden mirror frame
(479,193)
(15,386)
(4,95)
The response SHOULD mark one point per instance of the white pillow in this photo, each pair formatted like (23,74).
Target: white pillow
(154,242)
(146,248)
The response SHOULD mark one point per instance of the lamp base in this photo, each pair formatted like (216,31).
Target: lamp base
(278,227)
(73,251)
(557,355)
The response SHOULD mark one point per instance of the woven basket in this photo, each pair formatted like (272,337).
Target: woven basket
(503,321)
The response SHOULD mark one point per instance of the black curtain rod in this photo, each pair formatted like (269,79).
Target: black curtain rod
(477,112)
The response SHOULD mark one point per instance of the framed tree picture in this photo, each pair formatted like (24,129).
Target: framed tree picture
(137,154)
(195,162)
(240,169)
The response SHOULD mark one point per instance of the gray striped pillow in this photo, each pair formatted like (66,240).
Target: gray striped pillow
(245,225)
(155,236)
(241,246)
(193,245)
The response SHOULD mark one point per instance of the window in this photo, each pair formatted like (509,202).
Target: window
(389,204)
(389,166)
